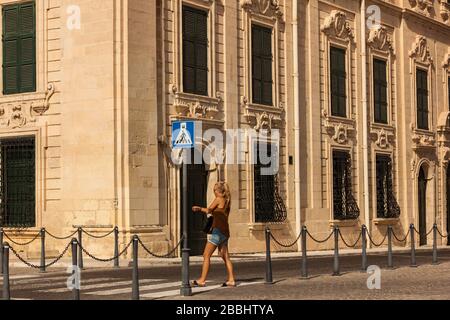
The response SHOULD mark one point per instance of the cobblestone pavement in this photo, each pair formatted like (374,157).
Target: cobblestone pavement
(424,282)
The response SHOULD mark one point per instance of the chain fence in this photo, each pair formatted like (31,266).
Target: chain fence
(283,244)
(168,255)
(96,236)
(346,243)
(320,241)
(61,238)
(107,259)
(373,242)
(63,253)
(401,240)
(19,243)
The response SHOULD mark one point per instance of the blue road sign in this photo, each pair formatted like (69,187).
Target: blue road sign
(183,134)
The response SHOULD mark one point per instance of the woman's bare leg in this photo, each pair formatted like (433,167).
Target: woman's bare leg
(209,250)
(226,258)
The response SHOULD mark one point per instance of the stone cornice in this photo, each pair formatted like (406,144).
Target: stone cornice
(440,25)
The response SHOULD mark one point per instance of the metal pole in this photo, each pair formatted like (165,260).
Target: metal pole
(1,250)
(80,252)
(116,247)
(186,289)
(304,253)
(135,293)
(6,289)
(413,246)
(435,253)
(76,288)
(269,279)
(336,252)
(390,261)
(364,248)
(43,250)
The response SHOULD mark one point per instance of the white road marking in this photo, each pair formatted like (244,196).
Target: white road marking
(100,285)
(141,288)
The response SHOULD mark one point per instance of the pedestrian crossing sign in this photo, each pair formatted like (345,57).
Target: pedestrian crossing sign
(183,134)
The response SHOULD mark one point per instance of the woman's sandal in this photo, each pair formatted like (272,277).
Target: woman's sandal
(196,284)
(227,284)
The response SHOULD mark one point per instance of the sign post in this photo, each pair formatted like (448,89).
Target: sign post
(183,137)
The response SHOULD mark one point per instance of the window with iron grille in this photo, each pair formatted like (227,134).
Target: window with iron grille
(19,48)
(344,203)
(17,185)
(338,82)
(422,99)
(262,82)
(380,91)
(387,206)
(269,206)
(195,51)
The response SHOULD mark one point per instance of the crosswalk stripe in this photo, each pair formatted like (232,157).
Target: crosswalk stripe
(99,286)
(141,288)
(58,284)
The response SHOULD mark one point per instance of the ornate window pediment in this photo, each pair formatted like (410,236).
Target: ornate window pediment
(420,51)
(379,39)
(422,6)
(269,8)
(337,26)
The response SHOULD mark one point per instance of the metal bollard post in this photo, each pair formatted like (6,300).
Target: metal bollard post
(336,271)
(390,262)
(413,246)
(75,289)
(116,247)
(435,253)
(364,248)
(6,289)
(43,250)
(135,291)
(304,253)
(269,279)
(80,252)
(1,250)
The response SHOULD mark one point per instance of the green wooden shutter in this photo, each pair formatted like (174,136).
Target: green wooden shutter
(19,48)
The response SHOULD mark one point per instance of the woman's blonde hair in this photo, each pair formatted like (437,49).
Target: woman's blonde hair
(224,190)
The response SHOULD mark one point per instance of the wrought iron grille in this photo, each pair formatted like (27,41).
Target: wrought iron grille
(17,182)
(344,203)
(387,206)
(269,205)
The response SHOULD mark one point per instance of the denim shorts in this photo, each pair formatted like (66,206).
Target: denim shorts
(217,238)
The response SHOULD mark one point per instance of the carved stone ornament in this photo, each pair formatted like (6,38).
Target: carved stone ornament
(264,7)
(421,141)
(193,106)
(262,119)
(444,10)
(336,25)
(339,132)
(383,138)
(422,6)
(17,114)
(446,62)
(379,39)
(420,50)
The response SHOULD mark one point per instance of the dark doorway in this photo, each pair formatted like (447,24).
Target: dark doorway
(197,190)
(448,204)
(422,193)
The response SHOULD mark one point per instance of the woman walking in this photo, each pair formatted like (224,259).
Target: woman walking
(220,210)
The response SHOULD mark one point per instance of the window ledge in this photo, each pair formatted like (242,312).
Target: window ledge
(343,223)
(261,226)
(386,221)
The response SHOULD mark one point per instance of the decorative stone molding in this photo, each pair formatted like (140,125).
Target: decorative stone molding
(262,118)
(446,62)
(194,106)
(423,141)
(444,10)
(18,111)
(336,25)
(420,51)
(422,6)
(339,131)
(269,8)
(383,138)
(379,39)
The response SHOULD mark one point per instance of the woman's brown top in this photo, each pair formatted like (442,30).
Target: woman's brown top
(221,220)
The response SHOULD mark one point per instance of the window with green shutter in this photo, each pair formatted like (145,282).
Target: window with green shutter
(195,51)
(422,99)
(380,91)
(338,82)
(19,48)
(262,82)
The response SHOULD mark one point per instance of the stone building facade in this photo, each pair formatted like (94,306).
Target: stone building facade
(358,90)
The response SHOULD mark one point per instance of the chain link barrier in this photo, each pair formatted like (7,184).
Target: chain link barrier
(160,256)
(320,241)
(404,239)
(98,237)
(108,259)
(418,232)
(19,243)
(61,238)
(439,232)
(373,242)
(36,266)
(345,242)
(286,245)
